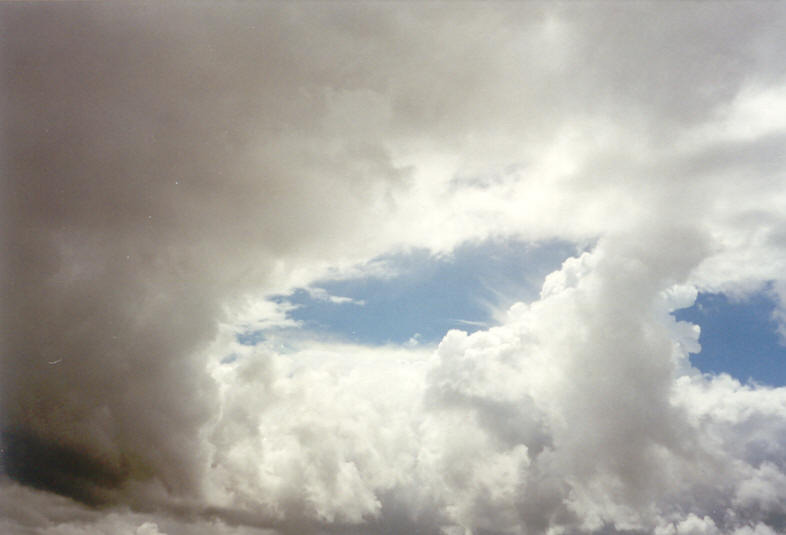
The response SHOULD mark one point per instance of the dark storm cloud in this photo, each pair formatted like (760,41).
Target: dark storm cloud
(62,469)
(157,161)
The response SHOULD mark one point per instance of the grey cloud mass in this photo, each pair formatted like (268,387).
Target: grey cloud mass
(168,166)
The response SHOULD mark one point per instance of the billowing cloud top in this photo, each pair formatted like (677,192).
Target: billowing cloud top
(167,167)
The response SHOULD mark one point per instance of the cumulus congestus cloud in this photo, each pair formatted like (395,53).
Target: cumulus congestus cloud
(168,167)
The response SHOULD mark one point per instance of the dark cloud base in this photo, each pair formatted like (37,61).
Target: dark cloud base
(59,468)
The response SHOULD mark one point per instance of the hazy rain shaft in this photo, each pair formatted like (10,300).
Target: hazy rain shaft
(170,167)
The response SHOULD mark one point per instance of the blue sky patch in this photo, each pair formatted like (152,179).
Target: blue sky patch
(430,295)
(250,338)
(738,338)
(229,359)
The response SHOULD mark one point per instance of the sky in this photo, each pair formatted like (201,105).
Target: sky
(364,268)
(421,297)
(739,337)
